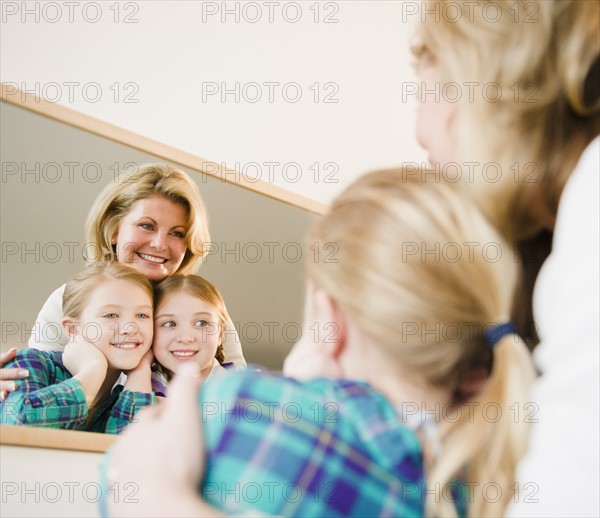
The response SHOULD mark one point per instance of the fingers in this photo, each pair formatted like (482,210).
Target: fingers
(149,356)
(13,374)
(7,386)
(7,376)
(181,407)
(7,356)
(148,414)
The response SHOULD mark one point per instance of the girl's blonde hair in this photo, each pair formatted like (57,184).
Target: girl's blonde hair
(79,289)
(117,198)
(198,287)
(541,58)
(422,273)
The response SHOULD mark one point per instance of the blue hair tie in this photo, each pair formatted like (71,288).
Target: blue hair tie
(495,332)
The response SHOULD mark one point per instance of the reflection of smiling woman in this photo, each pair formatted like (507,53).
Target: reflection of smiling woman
(108,319)
(153,219)
(155,247)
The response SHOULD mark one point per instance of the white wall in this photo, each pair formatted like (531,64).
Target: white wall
(174,52)
(40,482)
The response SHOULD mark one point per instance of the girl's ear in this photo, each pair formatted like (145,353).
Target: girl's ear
(70,326)
(331,322)
(320,350)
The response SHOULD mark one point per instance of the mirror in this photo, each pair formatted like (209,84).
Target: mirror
(51,174)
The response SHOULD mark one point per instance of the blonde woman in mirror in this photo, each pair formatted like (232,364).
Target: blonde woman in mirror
(374,424)
(190,321)
(152,218)
(107,312)
(520,137)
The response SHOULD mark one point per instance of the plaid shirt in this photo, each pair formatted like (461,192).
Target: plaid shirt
(317,448)
(50,397)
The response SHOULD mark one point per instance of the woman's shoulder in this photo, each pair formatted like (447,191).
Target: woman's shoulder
(47,333)
(578,206)
(56,295)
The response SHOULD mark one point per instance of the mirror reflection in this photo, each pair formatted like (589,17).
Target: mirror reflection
(51,175)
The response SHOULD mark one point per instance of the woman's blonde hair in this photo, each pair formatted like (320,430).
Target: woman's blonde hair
(541,60)
(422,273)
(198,287)
(79,289)
(117,198)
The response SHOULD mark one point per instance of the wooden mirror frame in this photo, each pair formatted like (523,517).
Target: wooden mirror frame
(28,436)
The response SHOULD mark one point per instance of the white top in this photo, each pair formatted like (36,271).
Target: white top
(563,461)
(47,334)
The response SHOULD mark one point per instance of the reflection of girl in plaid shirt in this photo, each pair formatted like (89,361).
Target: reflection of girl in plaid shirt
(108,317)
(370,420)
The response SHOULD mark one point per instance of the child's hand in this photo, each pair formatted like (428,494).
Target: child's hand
(83,356)
(87,364)
(139,379)
(307,361)
(162,456)
(145,364)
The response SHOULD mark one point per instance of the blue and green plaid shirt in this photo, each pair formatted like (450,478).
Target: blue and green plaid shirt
(316,448)
(50,397)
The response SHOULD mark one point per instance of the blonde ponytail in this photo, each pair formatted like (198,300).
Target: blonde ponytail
(409,250)
(489,445)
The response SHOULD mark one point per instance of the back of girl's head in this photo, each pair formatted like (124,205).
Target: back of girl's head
(422,273)
(196,286)
(540,60)
(403,257)
(80,287)
(116,200)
